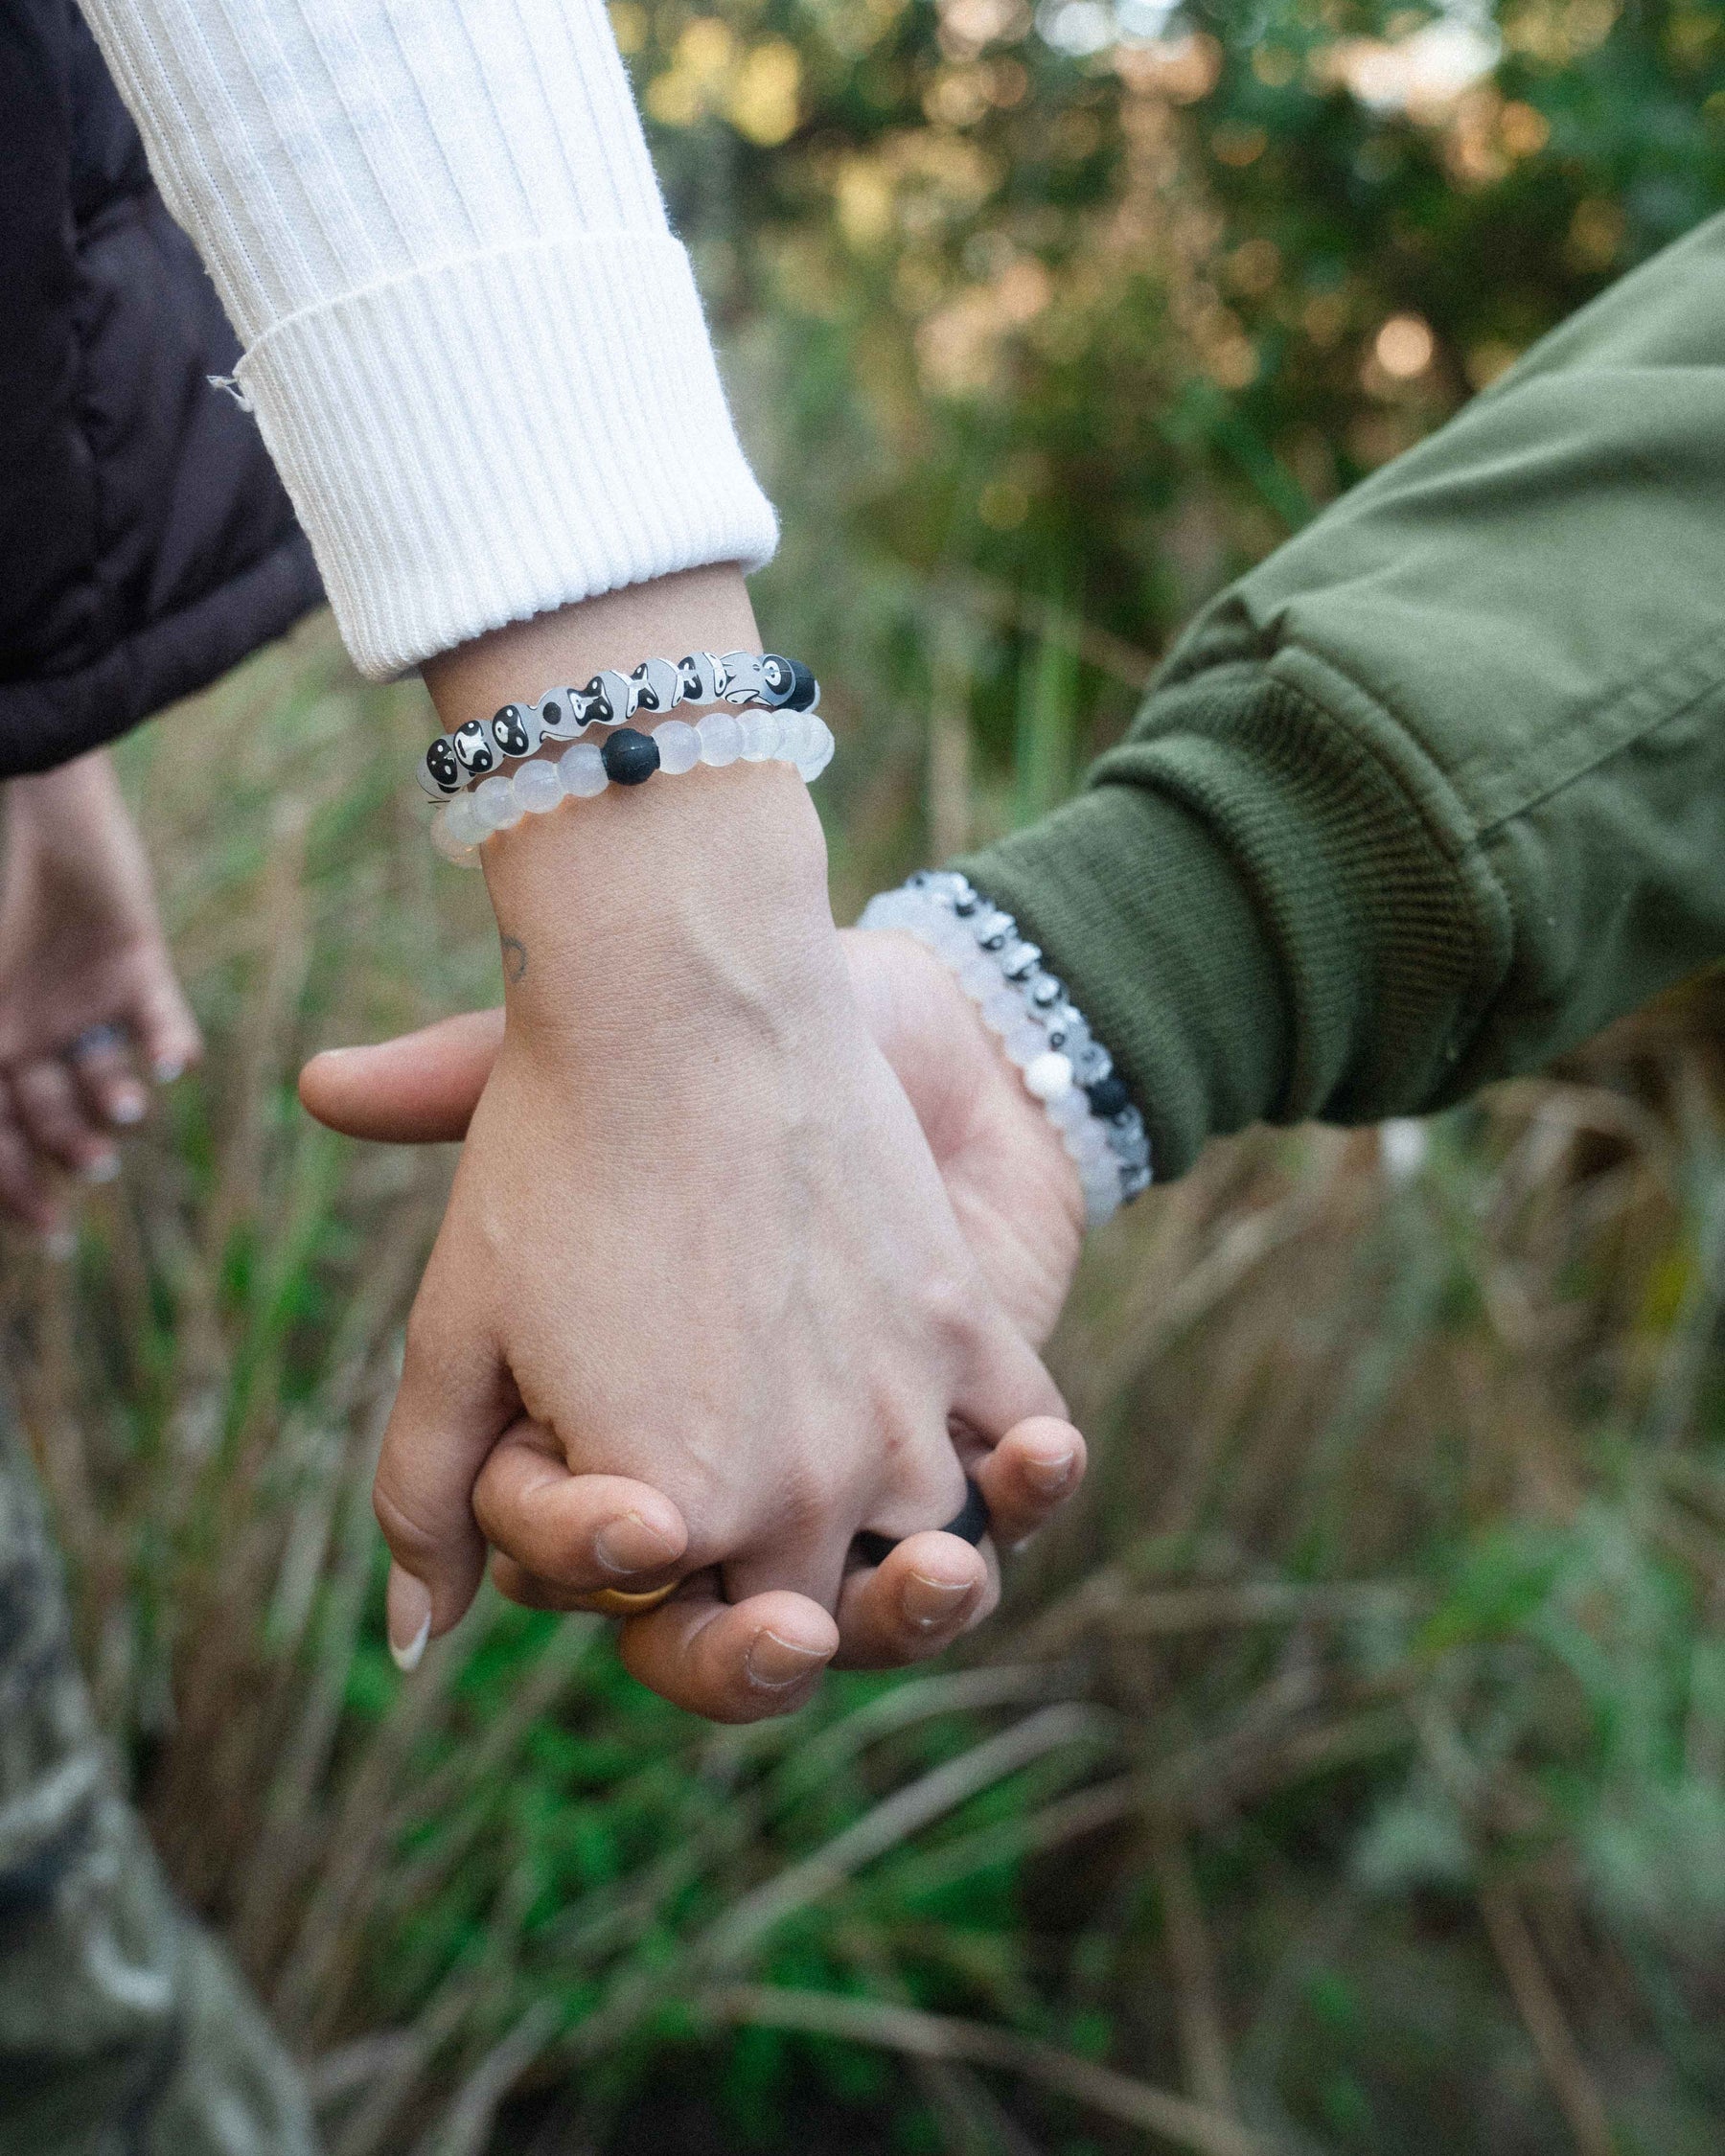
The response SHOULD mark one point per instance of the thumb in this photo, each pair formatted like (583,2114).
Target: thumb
(453,1403)
(420,1088)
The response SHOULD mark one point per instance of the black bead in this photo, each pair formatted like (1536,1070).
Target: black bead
(1108,1096)
(803,688)
(630,757)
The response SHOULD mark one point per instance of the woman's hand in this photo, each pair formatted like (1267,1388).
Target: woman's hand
(1009,1183)
(1016,1198)
(88,988)
(698,1248)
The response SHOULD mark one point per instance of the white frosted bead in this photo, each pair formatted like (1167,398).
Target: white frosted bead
(581,770)
(1050,1076)
(795,737)
(720,737)
(463,821)
(1087,1144)
(538,786)
(1001,1009)
(1025,1042)
(821,754)
(1070,1111)
(888,909)
(448,844)
(762,733)
(495,800)
(679,746)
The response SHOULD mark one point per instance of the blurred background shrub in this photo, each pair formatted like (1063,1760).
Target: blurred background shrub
(1344,1775)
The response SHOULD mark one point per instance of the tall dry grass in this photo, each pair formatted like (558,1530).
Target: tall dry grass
(1342,1774)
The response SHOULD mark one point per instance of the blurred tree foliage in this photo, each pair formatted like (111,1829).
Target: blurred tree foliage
(1096,303)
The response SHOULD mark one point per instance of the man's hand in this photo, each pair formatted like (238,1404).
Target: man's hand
(87,987)
(1015,1195)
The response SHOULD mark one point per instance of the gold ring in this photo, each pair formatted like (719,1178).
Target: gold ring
(614,1601)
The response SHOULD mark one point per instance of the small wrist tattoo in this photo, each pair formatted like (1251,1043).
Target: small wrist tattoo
(515,960)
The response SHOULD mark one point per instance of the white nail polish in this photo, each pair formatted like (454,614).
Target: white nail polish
(103,1168)
(168,1070)
(407,1659)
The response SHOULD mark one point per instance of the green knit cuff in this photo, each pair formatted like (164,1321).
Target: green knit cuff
(1256,914)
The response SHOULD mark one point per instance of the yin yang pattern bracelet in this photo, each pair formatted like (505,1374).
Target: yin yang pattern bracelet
(628,757)
(1045,1036)
(457,761)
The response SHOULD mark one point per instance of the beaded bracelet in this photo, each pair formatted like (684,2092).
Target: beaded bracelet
(627,758)
(1046,1037)
(457,761)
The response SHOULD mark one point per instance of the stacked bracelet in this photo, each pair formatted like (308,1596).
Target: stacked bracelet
(471,753)
(627,758)
(1062,1063)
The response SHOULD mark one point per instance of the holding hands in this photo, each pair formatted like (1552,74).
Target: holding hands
(752,1233)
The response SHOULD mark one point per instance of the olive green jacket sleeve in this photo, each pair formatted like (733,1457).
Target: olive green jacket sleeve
(1439,787)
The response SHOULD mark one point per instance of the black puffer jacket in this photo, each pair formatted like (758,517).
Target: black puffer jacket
(146,543)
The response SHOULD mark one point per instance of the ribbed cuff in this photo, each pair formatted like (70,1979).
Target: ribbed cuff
(1141,914)
(1256,914)
(503,435)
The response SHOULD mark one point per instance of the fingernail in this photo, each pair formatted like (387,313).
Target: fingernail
(168,1069)
(409,1617)
(128,1106)
(59,1245)
(628,1544)
(99,1167)
(928,1602)
(776,1665)
(1047,1477)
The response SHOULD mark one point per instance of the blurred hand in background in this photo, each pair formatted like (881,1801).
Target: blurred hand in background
(91,1012)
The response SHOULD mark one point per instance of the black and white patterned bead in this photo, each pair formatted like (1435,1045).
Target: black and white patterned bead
(656,688)
(1046,1037)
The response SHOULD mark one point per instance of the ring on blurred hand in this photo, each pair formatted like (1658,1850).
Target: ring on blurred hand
(969,1526)
(618,1602)
(96,1040)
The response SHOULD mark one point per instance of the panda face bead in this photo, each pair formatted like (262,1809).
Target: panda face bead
(474,748)
(776,680)
(743,682)
(609,697)
(699,678)
(555,715)
(515,730)
(440,773)
(657,685)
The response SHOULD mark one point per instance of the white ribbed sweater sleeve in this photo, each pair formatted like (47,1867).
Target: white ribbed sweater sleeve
(476,350)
